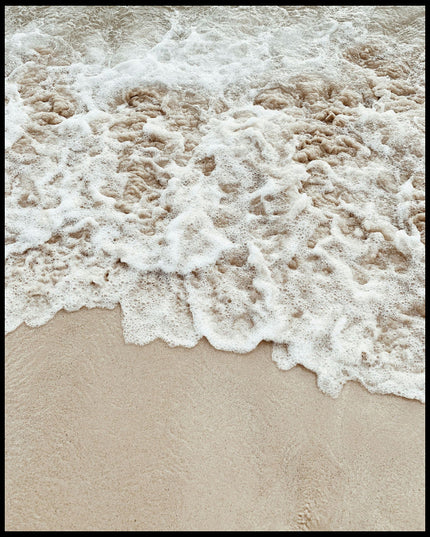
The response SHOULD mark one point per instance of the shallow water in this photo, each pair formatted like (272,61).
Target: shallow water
(239,173)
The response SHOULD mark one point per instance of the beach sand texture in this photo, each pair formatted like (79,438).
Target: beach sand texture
(101,435)
(214,268)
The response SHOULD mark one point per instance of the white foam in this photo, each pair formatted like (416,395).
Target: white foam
(242,174)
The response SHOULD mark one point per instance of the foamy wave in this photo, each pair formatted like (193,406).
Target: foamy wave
(239,174)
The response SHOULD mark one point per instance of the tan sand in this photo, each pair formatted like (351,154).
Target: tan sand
(106,436)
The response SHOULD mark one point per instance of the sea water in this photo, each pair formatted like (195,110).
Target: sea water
(235,173)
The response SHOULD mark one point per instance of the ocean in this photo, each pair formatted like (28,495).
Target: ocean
(242,174)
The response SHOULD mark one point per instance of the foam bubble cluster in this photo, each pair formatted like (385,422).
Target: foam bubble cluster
(239,174)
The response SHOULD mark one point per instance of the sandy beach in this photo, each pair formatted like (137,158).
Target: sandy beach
(231,201)
(102,435)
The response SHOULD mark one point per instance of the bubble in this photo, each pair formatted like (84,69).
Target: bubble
(206,170)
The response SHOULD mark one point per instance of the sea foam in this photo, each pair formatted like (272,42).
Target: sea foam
(235,173)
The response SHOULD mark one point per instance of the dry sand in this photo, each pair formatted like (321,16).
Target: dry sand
(101,435)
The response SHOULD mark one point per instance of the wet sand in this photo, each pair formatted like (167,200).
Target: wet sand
(101,435)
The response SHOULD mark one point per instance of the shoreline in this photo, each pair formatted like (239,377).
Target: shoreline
(104,435)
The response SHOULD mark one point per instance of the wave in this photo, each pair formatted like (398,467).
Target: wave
(239,174)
